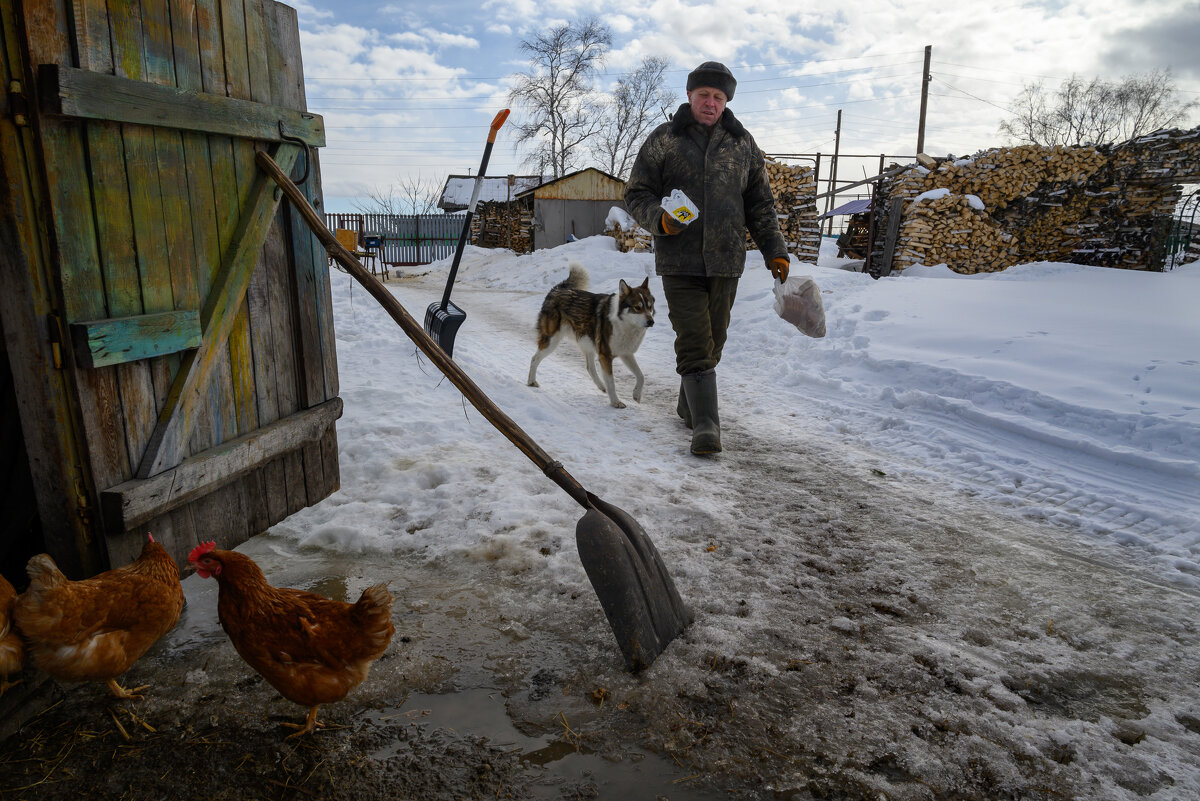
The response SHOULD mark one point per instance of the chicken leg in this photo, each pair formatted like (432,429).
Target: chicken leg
(309,724)
(121,692)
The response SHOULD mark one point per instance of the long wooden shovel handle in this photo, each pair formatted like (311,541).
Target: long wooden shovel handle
(503,423)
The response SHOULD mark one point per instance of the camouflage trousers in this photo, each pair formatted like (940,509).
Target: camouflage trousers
(698,308)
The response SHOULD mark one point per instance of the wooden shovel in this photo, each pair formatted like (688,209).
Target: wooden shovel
(639,598)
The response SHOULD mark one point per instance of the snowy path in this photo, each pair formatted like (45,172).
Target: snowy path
(874,618)
(857,633)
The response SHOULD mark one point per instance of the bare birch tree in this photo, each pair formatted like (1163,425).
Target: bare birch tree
(639,102)
(410,195)
(558,113)
(1096,111)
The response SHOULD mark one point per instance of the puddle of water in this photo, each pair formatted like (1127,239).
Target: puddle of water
(482,713)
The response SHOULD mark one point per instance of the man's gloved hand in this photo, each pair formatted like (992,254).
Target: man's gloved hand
(671,225)
(779,267)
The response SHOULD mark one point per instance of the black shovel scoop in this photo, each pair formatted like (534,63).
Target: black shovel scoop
(638,596)
(442,320)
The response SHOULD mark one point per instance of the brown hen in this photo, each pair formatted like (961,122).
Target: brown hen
(12,649)
(311,649)
(95,629)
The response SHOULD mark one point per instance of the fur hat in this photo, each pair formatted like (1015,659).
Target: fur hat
(714,74)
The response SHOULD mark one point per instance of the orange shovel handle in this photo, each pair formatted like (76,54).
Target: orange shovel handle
(496,123)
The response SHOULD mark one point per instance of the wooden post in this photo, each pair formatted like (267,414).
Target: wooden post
(889,244)
(925,77)
(837,144)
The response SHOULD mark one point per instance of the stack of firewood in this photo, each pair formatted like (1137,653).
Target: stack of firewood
(1108,205)
(795,191)
(1001,175)
(638,240)
(951,229)
(497,224)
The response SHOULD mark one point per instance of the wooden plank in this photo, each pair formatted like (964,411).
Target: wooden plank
(71,92)
(74,234)
(147,283)
(275,481)
(893,232)
(132,503)
(172,273)
(192,39)
(218,516)
(266,301)
(217,318)
(99,343)
(237,85)
(43,404)
(317,368)
(297,493)
(257,517)
(329,452)
(268,329)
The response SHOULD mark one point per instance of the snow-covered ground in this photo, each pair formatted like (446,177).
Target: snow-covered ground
(1055,391)
(952,548)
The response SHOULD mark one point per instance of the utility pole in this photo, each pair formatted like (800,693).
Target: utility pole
(829,201)
(925,78)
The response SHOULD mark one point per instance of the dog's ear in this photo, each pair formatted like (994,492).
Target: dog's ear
(624,288)
(646,283)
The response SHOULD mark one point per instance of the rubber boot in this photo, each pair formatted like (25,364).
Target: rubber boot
(681,407)
(701,392)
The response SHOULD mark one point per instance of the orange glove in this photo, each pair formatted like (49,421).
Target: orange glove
(671,225)
(779,267)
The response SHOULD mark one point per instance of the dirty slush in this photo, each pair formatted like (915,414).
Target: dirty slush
(479,699)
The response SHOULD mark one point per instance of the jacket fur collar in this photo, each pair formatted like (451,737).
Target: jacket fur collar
(683,118)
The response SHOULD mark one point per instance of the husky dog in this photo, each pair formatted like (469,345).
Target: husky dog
(604,326)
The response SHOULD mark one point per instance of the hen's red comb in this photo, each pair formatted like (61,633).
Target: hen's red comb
(151,536)
(200,550)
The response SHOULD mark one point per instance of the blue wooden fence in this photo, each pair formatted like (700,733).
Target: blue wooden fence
(406,239)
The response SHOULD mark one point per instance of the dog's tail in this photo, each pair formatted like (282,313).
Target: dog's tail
(578,277)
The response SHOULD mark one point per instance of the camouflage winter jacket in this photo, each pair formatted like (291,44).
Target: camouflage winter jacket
(724,175)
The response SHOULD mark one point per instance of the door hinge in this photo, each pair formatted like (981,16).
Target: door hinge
(18,104)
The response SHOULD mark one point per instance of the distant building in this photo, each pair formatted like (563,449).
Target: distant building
(574,205)
(456,194)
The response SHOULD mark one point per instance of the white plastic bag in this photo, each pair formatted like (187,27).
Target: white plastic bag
(799,302)
(680,206)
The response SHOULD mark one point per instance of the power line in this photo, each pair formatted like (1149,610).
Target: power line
(968,94)
(606,72)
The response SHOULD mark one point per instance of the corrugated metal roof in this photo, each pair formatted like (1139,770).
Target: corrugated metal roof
(853,207)
(456,194)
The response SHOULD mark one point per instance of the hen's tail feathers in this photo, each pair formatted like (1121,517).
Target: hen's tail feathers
(374,613)
(43,573)
(375,600)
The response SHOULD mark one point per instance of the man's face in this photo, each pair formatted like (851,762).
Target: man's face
(708,104)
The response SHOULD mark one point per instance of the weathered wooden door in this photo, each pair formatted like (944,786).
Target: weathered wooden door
(175,315)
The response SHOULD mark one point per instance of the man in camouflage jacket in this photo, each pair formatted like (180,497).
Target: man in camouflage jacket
(708,154)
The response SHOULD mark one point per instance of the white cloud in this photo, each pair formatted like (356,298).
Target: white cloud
(797,64)
(435,38)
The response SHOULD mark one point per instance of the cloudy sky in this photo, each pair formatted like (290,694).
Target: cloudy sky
(407,89)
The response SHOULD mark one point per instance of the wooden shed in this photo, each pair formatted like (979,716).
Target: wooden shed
(575,205)
(168,357)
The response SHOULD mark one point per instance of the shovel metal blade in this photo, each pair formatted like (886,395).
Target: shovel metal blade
(639,598)
(442,323)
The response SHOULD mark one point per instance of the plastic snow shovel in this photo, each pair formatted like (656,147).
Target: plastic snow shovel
(638,596)
(442,320)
